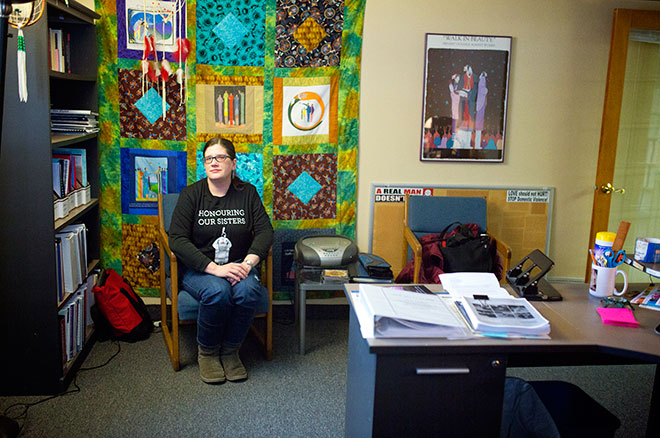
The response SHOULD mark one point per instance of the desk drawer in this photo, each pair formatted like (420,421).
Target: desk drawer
(424,395)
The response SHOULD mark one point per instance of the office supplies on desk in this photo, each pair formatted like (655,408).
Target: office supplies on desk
(604,241)
(647,250)
(621,234)
(527,281)
(603,280)
(614,259)
(617,316)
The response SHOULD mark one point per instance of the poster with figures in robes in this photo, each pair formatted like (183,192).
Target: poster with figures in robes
(466,79)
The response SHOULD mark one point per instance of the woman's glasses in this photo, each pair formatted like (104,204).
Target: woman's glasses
(218,158)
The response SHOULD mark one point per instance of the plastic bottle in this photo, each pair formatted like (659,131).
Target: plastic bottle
(604,241)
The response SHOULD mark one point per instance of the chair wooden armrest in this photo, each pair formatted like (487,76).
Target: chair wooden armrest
(170,332)
(505,253)
(265,337)
(413,243)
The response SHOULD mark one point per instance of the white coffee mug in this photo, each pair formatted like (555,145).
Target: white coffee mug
(603,281)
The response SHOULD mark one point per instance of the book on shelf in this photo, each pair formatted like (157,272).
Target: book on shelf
(65,121)
(60,47)
(72,324)
(68,176)
(73,112)
(73,240)
(80,161)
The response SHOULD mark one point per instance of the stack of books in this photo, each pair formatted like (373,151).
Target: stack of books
(60,50)
(66,121)
(70,186)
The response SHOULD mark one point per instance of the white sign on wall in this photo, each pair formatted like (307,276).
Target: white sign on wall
(396,194)
(540,196)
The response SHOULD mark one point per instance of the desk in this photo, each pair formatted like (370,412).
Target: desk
(437,387)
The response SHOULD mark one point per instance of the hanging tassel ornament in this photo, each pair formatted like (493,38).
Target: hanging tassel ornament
(165,72)
(20,62)
(149,48)
(181,53)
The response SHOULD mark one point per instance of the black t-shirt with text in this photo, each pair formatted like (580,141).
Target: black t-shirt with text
(223,229)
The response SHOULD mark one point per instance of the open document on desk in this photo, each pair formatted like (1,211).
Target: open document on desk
(401,312)
(489,309)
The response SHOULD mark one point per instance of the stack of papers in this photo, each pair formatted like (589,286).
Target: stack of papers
(65,121)
(474,305)
(489,309)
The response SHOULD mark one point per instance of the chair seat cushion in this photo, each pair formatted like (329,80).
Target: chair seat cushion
(188,307)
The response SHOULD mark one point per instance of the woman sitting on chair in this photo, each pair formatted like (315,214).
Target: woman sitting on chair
(220,232)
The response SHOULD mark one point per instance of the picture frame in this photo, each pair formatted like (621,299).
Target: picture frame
(466,84)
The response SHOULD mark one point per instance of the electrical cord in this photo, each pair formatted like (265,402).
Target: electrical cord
(21,416)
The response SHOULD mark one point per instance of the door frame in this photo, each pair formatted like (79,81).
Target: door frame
(624,21)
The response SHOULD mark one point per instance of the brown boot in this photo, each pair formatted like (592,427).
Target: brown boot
(210,368)
(232,364)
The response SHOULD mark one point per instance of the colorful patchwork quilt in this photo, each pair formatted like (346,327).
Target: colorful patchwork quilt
(279,78)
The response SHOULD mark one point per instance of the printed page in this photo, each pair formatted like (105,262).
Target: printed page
(467,284)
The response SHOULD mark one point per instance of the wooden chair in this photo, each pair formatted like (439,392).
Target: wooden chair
(183,308)
(431,214)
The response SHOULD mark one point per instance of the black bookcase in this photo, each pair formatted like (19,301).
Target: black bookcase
(30,337)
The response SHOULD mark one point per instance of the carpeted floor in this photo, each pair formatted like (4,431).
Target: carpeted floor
(139,395)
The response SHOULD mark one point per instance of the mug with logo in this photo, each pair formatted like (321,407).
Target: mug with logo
(603,281)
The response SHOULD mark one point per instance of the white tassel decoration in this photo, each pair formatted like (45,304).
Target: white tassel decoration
(20,62)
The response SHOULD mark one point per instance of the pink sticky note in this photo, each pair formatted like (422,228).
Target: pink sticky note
(618,316)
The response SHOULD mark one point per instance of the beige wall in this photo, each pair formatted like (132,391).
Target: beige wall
(556,89)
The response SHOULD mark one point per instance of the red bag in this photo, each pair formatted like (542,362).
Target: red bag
(120,310)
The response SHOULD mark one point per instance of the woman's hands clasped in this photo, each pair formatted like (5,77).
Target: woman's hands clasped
(232,272)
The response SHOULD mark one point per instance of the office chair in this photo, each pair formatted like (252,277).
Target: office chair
(183,307)
(431,214)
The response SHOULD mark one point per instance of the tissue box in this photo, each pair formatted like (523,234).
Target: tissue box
(647,249)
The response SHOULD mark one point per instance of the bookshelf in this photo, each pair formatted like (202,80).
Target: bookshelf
(30,328)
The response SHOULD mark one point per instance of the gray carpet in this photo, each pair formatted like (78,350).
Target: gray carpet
(138,393)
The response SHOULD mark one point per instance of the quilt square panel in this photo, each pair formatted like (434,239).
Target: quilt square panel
(231,32)
(141,108)
(230,109)
(308,34)
(249,168)
(145,173)
(305,186)
(165,20)
(305,110)
(135,238)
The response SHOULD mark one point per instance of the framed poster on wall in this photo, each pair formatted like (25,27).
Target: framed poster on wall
(466,81)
